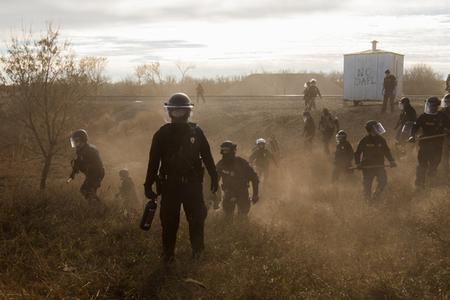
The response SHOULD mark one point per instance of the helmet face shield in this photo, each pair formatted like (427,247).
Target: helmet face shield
(401,106)
(431,108)
(378,129)
(76,142)
(446,101)
(177,113)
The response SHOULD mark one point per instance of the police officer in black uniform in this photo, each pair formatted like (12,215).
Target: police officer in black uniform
(373,149)
(434,125)
(343,156)
(236,173)
(446,147)
(404,125)
(406,120)
(261,158)
(177,153)
(328,126)
(309,130)
(88,162)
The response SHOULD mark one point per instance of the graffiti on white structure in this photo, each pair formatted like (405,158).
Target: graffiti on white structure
(364,77)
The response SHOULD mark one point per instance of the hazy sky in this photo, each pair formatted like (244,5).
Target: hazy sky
(239,36)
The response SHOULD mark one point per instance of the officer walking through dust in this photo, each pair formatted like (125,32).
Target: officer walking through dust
(309,130)
(446,147)
(178,152)
(261,158)
(369,157)
(236,173)
(435,126)
(404,124)
(88,162)
(343,156)
(328,126)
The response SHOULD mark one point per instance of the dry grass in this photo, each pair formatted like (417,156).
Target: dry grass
(305,239)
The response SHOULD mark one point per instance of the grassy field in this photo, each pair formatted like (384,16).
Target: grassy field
(305,239)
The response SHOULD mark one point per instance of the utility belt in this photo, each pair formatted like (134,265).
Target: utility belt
(180,179)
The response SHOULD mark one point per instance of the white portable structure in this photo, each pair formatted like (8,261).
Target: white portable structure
(364,73)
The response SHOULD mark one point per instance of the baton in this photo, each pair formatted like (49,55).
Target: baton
(432,136)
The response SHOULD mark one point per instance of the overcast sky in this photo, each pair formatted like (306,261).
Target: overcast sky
(239,36)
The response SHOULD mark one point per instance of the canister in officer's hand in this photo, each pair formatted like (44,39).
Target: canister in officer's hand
(149,214)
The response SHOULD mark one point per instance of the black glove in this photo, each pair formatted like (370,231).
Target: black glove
(392,164)
(255,198)
(214,185)
(149,193)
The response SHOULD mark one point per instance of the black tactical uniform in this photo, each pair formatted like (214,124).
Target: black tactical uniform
(430,150)
(177,152)
(343,158)
(261,159)
(405,121)
(328,126)
(236,173)
(373,149)
(309,130)
(89,163)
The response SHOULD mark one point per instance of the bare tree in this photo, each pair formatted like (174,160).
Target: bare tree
(94,68)
(148,73)
(184,69)
(422,79)
(46,84)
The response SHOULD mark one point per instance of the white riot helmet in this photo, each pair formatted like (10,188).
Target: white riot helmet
(432,106)
(260,141)
(375,127)
(341,136)
(446,101)
(313,81)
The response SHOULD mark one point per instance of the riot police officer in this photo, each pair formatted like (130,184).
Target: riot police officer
(446,146)
(309,130)
(406,120)
(343,156)
(88,162)
(328,126)
(261,158)
(236,173)
(434,125)
(177,153)
(369,157)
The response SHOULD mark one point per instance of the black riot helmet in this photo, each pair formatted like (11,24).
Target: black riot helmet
(432,106)
(387,72)
(78,138)
(404,102)
(375,127)
(341,136)
(179,107)
(228,148)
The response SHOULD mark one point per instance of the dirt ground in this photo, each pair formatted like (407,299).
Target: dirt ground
(305,239)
